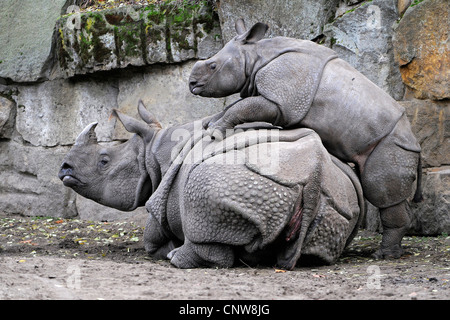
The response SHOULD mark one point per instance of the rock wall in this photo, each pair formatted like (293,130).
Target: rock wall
(61,69)
(26,35)
(136,36)
(80,67)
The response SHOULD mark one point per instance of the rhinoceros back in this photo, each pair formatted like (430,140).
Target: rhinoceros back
(347,110)
(243,190)
(294,80)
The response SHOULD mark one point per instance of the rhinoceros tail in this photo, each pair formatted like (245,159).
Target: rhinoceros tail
(418,197)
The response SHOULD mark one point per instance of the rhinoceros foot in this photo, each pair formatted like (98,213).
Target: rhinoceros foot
(192,255)
(394,252)
(395,220)
(218,129)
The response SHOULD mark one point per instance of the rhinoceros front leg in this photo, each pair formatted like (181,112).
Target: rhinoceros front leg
(194,255)
(156,244)
(251,109)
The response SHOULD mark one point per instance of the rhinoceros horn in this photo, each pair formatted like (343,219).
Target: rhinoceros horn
(87,135)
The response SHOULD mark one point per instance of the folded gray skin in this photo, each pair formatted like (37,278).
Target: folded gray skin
(294,83)
(257,196)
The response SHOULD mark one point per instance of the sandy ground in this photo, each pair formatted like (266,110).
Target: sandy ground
(70,259)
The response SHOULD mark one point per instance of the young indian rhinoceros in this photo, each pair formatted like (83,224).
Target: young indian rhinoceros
(297,83)
(258,195)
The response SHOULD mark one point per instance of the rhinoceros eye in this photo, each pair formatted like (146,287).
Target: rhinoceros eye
(103,162)
(213,66)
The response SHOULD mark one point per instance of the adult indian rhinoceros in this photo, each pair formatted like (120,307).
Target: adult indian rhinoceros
(296,83)
(258,195)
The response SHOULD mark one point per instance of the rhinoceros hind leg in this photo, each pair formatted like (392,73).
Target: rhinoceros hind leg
(192,255)
(395,221)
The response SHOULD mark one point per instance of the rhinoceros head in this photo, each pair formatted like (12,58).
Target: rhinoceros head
(114,176)
(226,72)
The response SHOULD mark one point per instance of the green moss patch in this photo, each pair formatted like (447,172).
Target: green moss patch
(162,31)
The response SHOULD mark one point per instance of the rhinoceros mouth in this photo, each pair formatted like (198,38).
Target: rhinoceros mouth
(197,88)
(70,181)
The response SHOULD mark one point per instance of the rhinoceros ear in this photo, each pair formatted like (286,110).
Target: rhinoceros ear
(147,116)
(240,26)
(132,125)
(88,135)
(255,34)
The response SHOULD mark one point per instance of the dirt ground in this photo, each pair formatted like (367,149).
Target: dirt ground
(49,258)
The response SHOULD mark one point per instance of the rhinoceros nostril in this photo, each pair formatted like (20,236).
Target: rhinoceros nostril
(66,166)
(65,170)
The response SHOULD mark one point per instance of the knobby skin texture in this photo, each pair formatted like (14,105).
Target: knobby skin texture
(261,196)
(295,83)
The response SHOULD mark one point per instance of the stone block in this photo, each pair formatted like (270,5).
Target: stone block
(430,123)
(54,112)
(29,184)
(136,35)
(362,36)
(303,19)
(432,216)
(422,49)
(26,35)
(7,115)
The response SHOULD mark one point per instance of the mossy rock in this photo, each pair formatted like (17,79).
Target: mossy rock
(136,35)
